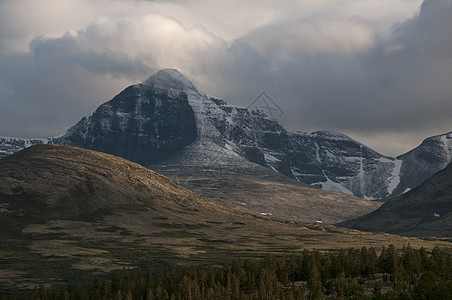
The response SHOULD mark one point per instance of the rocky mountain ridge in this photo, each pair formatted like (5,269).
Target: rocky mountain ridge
(166,119)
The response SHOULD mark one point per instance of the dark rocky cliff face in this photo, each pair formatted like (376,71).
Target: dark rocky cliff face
(432,155)
(142,124)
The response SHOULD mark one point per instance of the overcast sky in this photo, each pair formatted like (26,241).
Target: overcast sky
(379,71)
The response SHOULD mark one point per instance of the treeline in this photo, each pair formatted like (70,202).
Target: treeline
(343,274)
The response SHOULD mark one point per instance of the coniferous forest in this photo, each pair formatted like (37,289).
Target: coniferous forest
(341,274)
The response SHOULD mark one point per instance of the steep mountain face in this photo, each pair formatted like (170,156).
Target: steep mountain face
(423,211)
(432,155)
(145,123)
(335,162)
(167,119)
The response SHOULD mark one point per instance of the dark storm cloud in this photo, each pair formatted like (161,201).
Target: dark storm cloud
(400,84)
(56,82)
(67,51)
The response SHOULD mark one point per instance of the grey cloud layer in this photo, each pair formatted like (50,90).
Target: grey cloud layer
(327,71)
(400,83)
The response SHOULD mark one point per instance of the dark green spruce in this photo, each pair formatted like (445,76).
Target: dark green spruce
(404,273)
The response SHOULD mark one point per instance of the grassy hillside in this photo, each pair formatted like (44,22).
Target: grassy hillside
(68,213)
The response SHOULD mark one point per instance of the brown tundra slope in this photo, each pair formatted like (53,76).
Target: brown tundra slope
(68,213)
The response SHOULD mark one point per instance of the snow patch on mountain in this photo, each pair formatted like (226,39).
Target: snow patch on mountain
(330,185)
(361,173)
(394,180)
(170,79)
(270,158)
(447,145)
(317,154)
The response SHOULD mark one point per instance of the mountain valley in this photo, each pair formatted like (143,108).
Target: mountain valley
(67,213)
(234,184)
(259,191)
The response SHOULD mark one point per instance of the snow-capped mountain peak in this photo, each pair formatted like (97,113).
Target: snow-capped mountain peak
(170,79)
(166,119)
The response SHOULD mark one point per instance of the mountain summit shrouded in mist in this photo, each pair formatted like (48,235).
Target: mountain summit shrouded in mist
(167,118)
